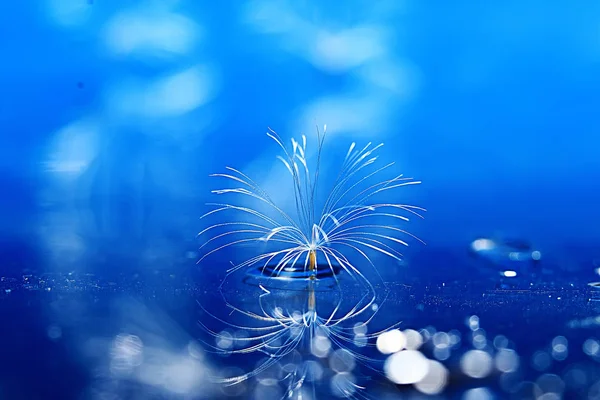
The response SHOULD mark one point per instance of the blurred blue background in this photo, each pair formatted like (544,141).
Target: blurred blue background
(114,113)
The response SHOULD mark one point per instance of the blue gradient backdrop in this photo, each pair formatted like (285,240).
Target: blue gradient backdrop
(113,113)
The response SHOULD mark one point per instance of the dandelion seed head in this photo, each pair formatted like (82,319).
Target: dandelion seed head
(335,226)
(348,222)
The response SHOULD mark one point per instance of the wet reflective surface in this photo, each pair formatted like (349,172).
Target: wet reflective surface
(474,335)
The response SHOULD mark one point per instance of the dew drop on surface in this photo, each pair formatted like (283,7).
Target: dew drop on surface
(320,346)
(507,360)
(479,339)
(425,335)
(559,341)
(360,340)
(473,322)
(476,363)
(224,340)
(414,340)
(441,340)
(455,337)
(560,349)
(482,244)
(342,361)
(591,347)
(391,341)
(406,367)
(343,385)
(480,393)
(360,328)
(442,353)
(500,342)
(435,380)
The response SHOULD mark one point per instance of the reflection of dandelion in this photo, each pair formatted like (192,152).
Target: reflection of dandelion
(304,335)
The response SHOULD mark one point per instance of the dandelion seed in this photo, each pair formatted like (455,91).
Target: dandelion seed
(349,223)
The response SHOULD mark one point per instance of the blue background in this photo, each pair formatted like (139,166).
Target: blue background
(114,113)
